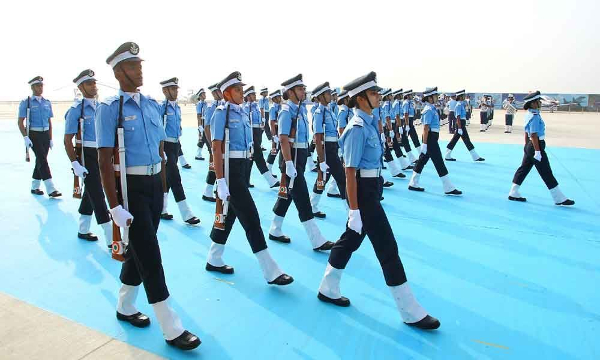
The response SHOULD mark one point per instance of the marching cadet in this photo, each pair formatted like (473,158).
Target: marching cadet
(402,131)
(389,136)
(484,110)
(231,183)
(200,110)
(430,148)
(387,155)
(366,217)
(408,114)
(171,113)
(273,112)
(535,153)
(511,110)
(35,124)
(459,114)
(256,122)
(491,108)
(333,103)
(86,166)
(326,139)
(210,175)
(344,113)
(143,135)
(263,104)
(451,114)
(293,137)
(469,107)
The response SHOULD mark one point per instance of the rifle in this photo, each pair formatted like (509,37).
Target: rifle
(274,146)
(78,190)
(211,160)
(283,187)
(222,205)
(27,159)
(388,138)
(320,175)
(163,173)
(120,243)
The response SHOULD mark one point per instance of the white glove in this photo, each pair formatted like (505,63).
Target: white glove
(201,129)
(79,170)
(423,148)
(51,144)
(354,221)
(290,170)
(460,132)
(538,156)
(28,142)
(340,152)
(323,166)
(391,133)
(222,189)
(276,139)
(382,138)
(407,128)
(121,216)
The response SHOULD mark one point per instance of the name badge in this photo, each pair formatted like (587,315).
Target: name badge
(132,117)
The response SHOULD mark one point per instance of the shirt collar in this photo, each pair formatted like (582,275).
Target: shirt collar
(173,103)
(130,95)
(534,111)
(363,115)
(91,102)
(234,107)
(38,98)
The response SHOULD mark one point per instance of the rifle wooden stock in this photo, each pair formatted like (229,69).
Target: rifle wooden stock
(283,191)
(118,248)
(222,205)
(219,223)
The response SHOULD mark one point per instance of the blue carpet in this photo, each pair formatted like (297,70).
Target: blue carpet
(507,280)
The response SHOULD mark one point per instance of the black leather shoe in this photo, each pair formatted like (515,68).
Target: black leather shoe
(199,158)
(37,192)
(282,239)
(55,194)
(480,159)
(409,167)
(343,301)
(276,185)
(567,202)
(225,269)
(319,215)
(250,186)
(185,341)
(263,149)
(314,170)
(138,319)
(414,188)
(400,176)
(193,221)
(481,130)
(454,192)
(166,216)
(388,184)
(334,195)
(427,323)
(449,159)
(283,279)
(326,246)
(513,198)
(88,236)
(187,166)
(209,199)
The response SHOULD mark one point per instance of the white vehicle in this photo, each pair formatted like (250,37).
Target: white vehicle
(549,103)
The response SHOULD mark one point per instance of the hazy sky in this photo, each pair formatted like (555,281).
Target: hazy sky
(501,46)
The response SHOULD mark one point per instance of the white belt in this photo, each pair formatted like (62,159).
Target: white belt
(172,140)
(369,173)
(238,154)
(144,169)
(39,129)
(256,126)
(541,137)
(86,143)
(300,145)
(331,138)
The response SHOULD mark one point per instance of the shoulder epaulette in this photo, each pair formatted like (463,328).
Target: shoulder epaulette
(109,100)
(76,103)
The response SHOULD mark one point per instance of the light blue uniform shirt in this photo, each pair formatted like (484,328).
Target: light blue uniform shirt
(289,112)
(210,110)
(452,105)
(89,124)
(240,133)
(361,142)
(328,126)
(253,112)
(334,108)
(344,116)
(376,115)
(263,103)
(534,123)
(142,124)
(173,125)
(430,116)
(274,111)
(201,107)
(408,108)
(396,109)
(39,111)
(385,111)
(460,111)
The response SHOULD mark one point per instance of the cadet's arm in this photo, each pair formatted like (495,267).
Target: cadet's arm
(107,174)
(218,158)
(351,187)
(285,147)
(21,125)
(536,141)
(425,133)
(69,147)
(50,128)
(320,153)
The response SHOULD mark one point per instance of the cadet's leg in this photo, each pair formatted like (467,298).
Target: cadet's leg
(545,171)
(173,176)
(258,155)
(526,165)
(335,167)
(413,134)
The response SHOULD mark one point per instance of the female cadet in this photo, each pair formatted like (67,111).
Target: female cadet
(293,136)
(210,175)
(535,153)
(430,147)
(401,133)
(326,139)
(273,112)
(36,111)
(389,131)
(460,130)
(511,109)
(171,113)
(362,151)
(234,189)
(250,106)
(345,113)
(408,114)
(200,116)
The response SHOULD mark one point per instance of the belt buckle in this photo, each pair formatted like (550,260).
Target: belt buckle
(151,169)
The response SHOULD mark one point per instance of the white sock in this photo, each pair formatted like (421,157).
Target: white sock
(269,267)
(126,301)
(330,284)
(414,180)
(557,195)
(208,191)
(514,191)
(49,186)
(169,321)
(215,254)
(314,234)
(165,202)
(108,232)
(35,184)
(276,225)
(410,310)
(182,160)
(448,153)
(184,210)
(85,221)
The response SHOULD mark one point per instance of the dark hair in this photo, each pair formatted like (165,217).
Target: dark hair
(352,102)
(527,105)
